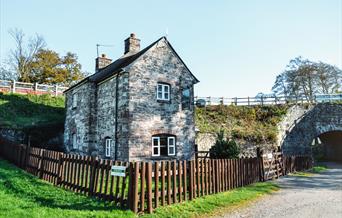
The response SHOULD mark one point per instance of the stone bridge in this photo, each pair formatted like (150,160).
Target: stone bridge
(304,126)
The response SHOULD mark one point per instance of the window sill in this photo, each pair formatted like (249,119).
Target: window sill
(164,157)
(164,101)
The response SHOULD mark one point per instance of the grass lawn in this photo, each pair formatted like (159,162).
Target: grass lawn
(218,203)
(23,195)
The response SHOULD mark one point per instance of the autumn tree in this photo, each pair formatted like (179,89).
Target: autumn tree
(48,67)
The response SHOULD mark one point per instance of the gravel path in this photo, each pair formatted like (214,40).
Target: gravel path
(316,196)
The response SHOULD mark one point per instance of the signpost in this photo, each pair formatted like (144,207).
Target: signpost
(118,171)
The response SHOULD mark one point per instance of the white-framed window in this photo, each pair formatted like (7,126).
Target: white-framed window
(163,145)
(108,147)
(155,146)
(163,91)
(74,100)
(171,143)
(74,141)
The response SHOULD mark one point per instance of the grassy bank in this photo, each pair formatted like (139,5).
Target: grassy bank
(24,111)
(22,195)
(215,204)
(256,124)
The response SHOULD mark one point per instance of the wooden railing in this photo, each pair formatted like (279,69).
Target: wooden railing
(268,100)
(148,185)
(30,88)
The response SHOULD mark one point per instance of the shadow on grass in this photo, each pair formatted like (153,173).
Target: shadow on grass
(21,185)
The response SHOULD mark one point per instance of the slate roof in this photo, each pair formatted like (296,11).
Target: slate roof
(122,62)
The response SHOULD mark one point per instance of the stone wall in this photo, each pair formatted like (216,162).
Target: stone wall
(149,116)
(205,141)
(78,119)
(322,118)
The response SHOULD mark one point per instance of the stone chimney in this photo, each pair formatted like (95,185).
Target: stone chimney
(102,62)
(132,44)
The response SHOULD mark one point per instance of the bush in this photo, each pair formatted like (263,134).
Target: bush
(224,148)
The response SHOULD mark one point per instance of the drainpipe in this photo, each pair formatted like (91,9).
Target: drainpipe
(116,113)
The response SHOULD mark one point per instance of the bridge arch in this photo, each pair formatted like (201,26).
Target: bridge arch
(320,119)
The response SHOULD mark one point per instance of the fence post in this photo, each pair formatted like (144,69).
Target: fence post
(56,90)
(261,165)
(60,169)
(41,164)
(13,86)
(93,166)
(191,174)
(149,187)
(134,187)
(221,102)
(35,87)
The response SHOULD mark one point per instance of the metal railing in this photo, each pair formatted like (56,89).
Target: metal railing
(266,100)
(30,88)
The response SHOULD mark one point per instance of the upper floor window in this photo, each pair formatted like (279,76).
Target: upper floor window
(108,147)
(186,99)
(74,100)
(163,91)
(163,145)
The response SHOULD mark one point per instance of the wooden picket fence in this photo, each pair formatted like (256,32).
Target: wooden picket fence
(82,174)
(148,185)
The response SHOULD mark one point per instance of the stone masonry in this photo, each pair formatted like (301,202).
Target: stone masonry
(322,118)
(122,105)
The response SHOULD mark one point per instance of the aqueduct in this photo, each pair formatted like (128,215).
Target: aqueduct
(321,123)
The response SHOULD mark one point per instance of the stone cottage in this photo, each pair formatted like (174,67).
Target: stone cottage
(138,107)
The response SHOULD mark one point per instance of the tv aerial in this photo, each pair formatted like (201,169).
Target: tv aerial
(101,45)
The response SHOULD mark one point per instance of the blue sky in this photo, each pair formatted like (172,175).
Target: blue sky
(235,48)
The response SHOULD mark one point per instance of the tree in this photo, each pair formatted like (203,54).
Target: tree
(22,55)
(7,74)
(32,62)
(48,67)
(224,148)
(307,78)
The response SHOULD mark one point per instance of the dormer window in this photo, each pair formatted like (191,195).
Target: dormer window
(74,100)
(163,92)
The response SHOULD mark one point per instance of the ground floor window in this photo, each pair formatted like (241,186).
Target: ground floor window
(163,145)
(108,147)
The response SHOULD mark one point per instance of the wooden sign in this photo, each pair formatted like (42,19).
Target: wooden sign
(118,171)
